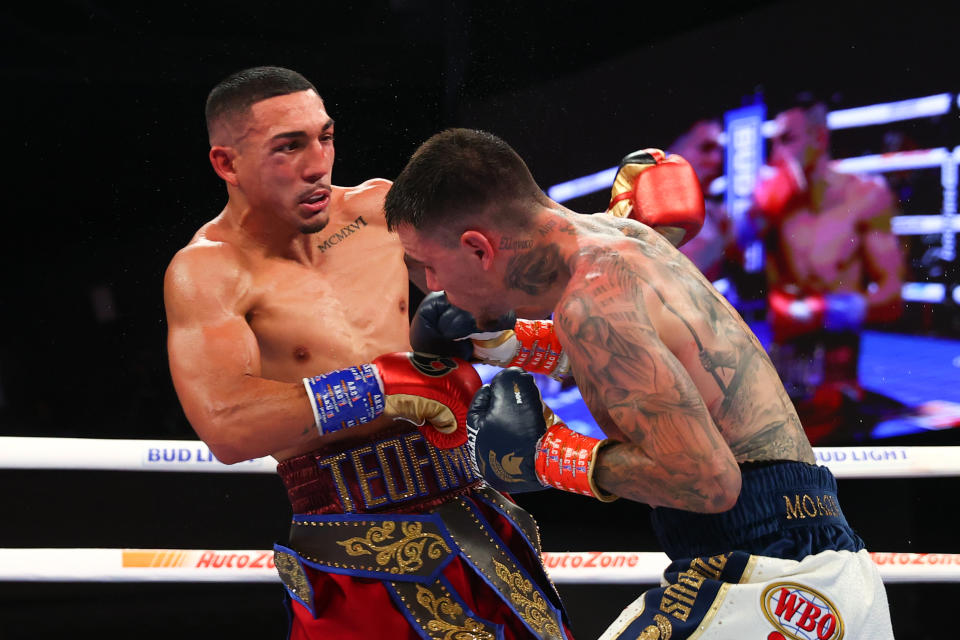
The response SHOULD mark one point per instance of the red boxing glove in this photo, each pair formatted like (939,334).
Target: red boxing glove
(777,187)
(792,316)
(432,392)
(661,192)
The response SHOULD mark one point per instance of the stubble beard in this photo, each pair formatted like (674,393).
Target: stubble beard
(314,227)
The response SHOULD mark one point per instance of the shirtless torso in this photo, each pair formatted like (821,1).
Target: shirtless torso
(635,315)
(344,306)
(838,240)
(667,367)
(834,234)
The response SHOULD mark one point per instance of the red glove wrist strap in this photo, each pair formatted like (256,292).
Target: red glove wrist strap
(538,349)
(565,460)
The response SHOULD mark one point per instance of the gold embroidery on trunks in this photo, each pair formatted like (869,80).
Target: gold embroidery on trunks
(461,521)
(678,598)
(418,462)
(392,489)
(292,575)
(439,615)
(448,618)
(662,631)
(334,463)
(807,506)
(406,554)
(435,457)
(364,476)
(531,604)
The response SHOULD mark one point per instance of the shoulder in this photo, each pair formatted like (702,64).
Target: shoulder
(870,195)
(364,200)
(369,194)
(204,270)
(604,276)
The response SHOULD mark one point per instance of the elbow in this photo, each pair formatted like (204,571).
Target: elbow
(216,431)
(727,492)
(226,454)
(725,501)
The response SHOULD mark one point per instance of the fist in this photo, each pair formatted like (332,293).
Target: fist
(504,425)
(661,192)
(440,328)
(778,185)
(432,392)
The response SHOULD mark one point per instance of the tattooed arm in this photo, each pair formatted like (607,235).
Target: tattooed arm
(668,450)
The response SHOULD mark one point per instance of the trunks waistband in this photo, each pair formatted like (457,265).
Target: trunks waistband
(394,470)
(785,509)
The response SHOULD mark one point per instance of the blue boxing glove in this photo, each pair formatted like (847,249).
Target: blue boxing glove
(504,425)
(845,311)
(440,328)
(519,445)
(793,315)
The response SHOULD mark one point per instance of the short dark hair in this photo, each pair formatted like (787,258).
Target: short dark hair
(681,138)
(460,173)
(814,105)
(237,92)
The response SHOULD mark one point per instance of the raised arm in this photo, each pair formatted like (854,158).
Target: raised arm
(215,363)
(669,452)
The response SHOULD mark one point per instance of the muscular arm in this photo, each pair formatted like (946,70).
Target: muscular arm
(669,453)
(882,258)
(215,364)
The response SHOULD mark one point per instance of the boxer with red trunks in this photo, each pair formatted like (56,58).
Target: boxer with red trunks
(289,337)
(696,420)
(833,265)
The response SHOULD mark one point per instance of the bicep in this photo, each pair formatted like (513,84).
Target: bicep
(627,371)
(671,452)
(883,258)
(209,342)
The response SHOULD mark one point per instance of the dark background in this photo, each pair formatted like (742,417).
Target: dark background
(106,177)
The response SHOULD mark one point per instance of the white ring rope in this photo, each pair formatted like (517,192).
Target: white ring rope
(204,565)
(93,454)
(196,565)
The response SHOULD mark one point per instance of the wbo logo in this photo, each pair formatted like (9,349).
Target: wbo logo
(800,613)
(431,365)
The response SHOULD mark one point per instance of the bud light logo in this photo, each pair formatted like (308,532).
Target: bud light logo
(430,365)
(800,613)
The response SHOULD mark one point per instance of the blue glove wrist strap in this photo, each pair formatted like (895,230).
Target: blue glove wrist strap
(346,397)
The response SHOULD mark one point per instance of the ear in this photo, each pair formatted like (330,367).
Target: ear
(479,246)
(222,158)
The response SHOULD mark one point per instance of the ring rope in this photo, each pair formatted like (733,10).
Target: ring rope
(93,454)
(205,565)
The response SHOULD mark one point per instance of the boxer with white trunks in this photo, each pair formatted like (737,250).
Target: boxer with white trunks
(698,424)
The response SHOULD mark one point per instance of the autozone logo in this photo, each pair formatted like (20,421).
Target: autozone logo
(196,559)
(800,613)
